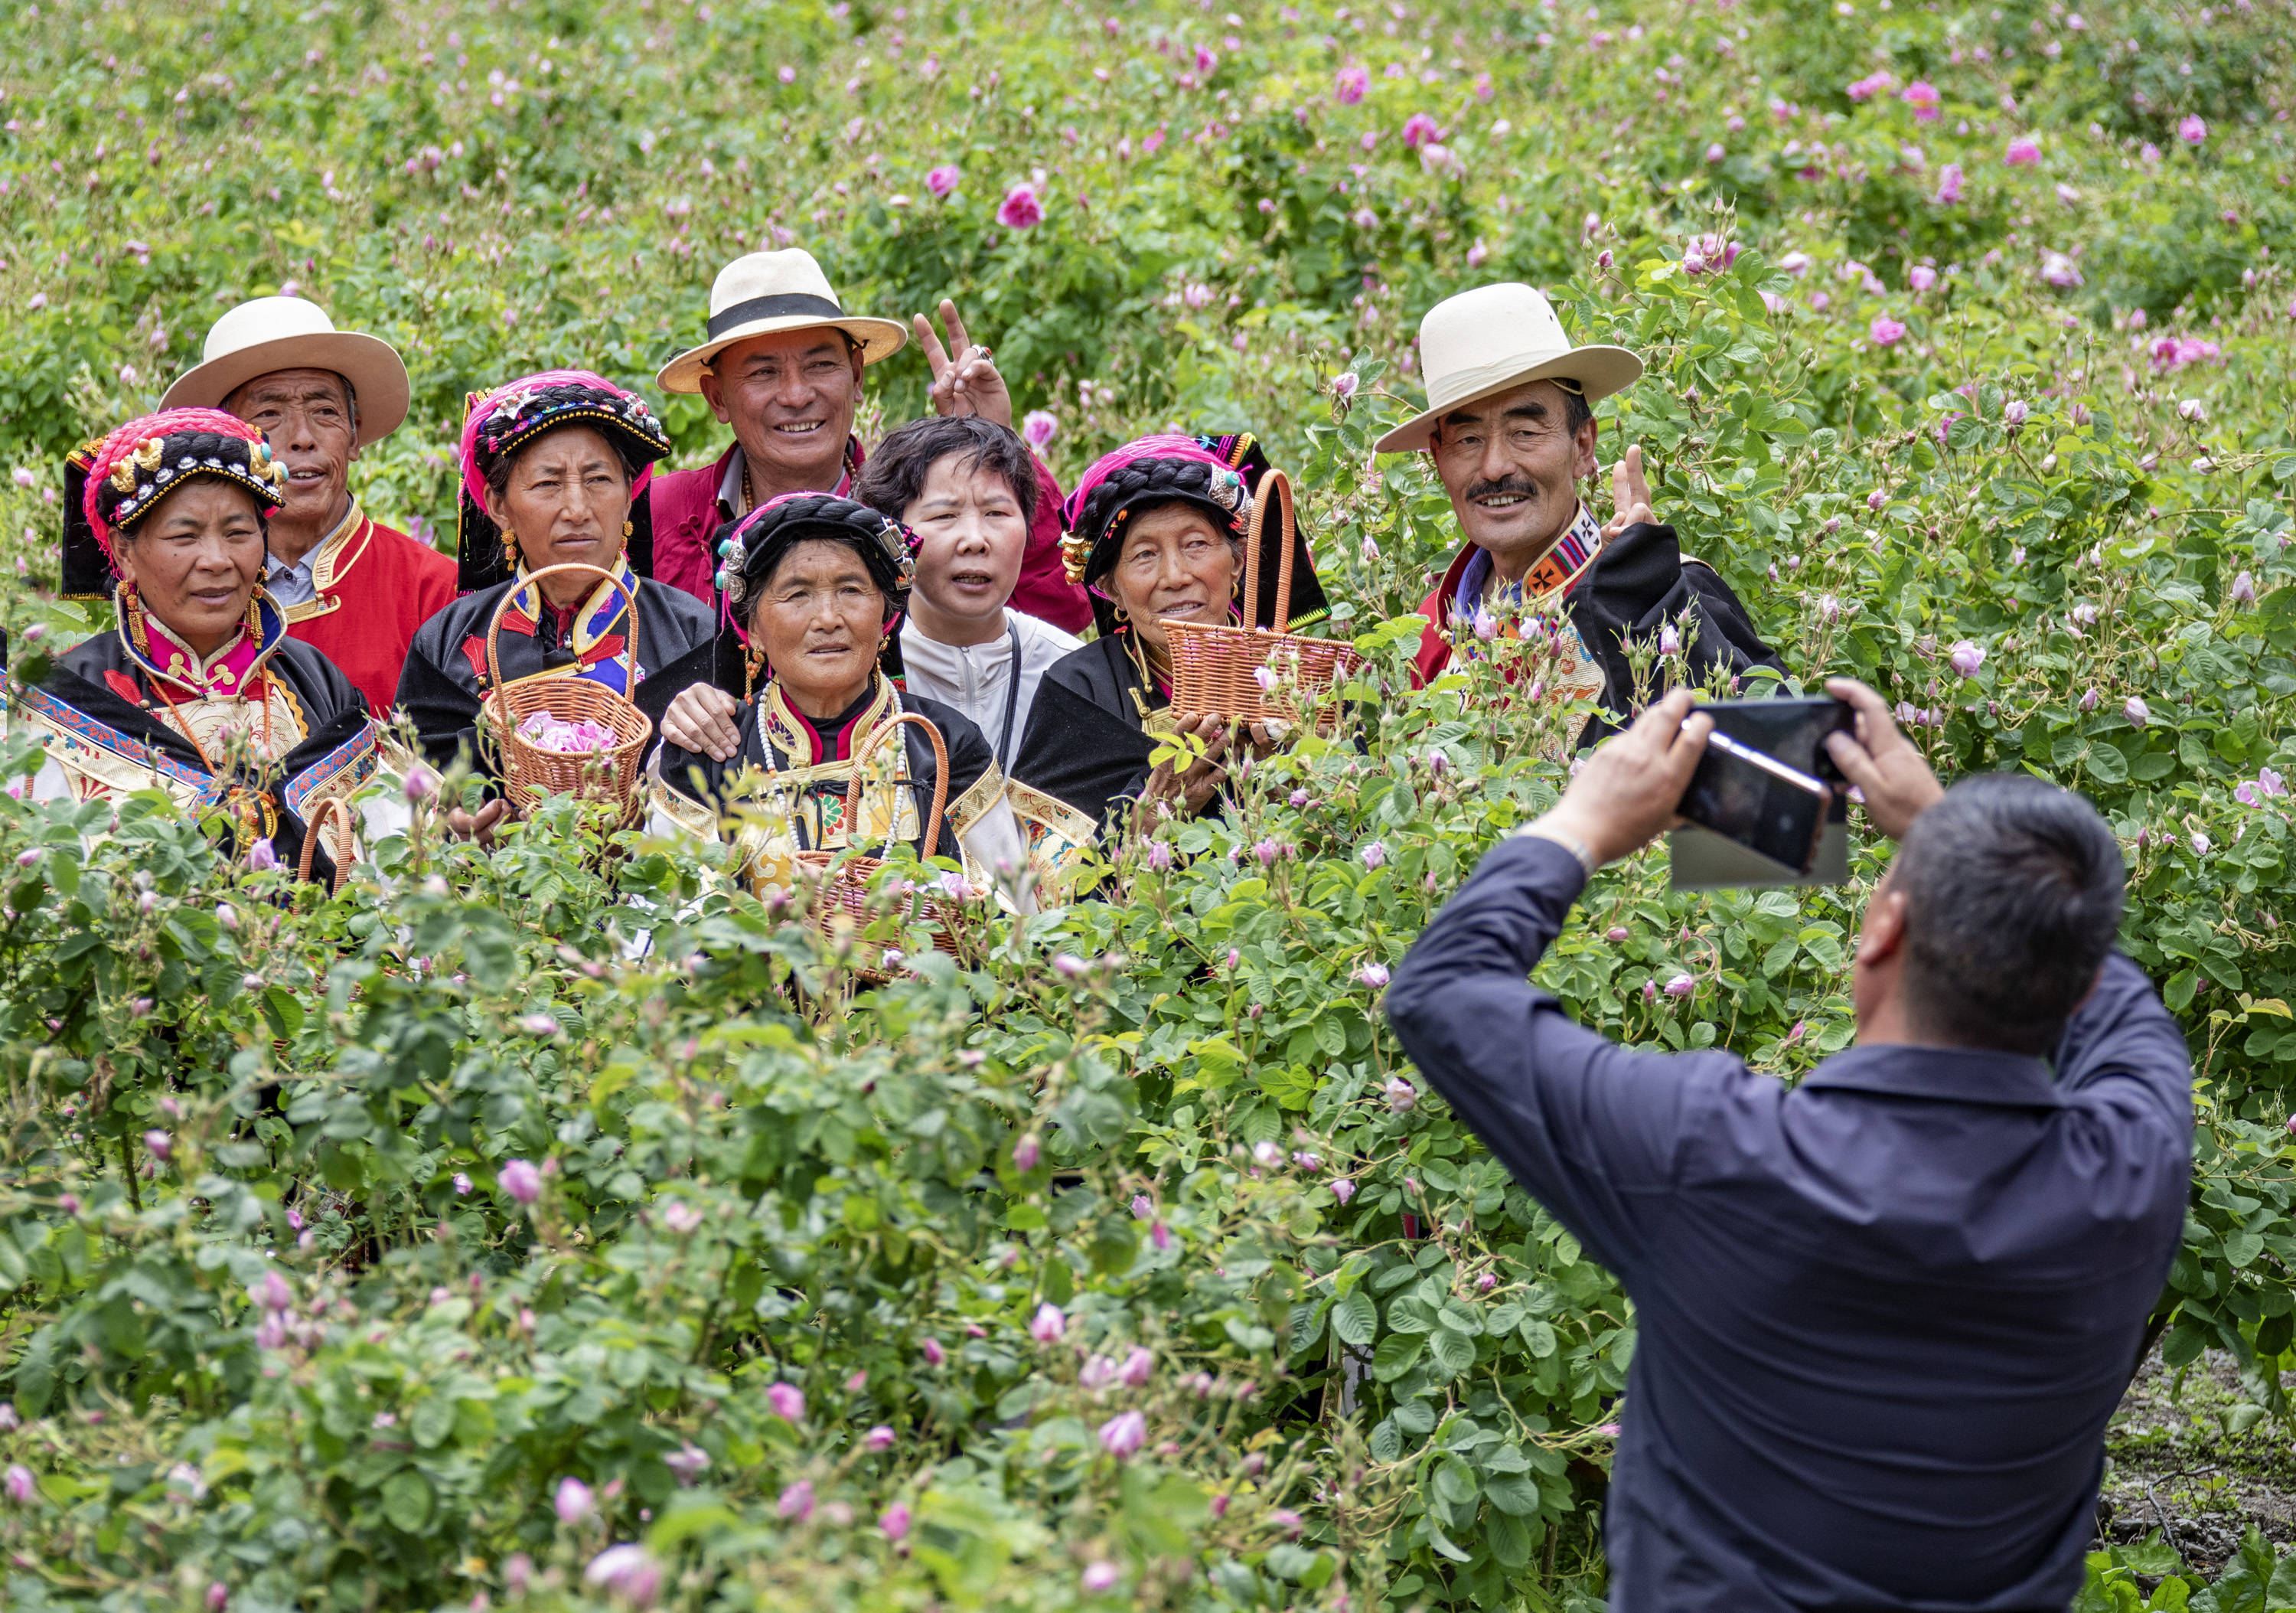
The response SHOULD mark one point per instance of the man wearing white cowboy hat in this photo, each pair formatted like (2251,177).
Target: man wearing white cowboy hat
(784,366)
(351,587)
(1510,424)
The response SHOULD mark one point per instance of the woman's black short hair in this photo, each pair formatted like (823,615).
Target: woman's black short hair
(894,476)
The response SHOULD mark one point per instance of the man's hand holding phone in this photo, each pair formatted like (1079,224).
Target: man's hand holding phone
(1627,792)
(1887,767)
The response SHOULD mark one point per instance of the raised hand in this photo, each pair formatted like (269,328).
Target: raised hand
(1630,500)
(1628,789)
(967,383)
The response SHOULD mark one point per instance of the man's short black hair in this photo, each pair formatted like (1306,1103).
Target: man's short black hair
(2013,891)
(894,475)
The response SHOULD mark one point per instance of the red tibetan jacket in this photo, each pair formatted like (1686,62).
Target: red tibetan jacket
(374,587)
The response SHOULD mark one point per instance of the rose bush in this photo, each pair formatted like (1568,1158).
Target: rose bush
(533,1226)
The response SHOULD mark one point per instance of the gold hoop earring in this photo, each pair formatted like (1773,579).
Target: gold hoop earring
(1122,614)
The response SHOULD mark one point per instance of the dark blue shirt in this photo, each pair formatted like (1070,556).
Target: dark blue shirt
(1884,1315)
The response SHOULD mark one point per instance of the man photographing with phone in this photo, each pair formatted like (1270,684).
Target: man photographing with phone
(1884,1315)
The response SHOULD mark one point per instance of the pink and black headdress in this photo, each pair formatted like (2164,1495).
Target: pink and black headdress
(1217,474)
(499,422)
(118,480)
(750,548)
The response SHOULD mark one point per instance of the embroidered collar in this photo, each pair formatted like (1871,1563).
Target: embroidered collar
(1557,570)
(594,618)
(787,733)
(228,674)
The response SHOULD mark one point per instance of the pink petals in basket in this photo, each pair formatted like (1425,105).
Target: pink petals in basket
(548,733)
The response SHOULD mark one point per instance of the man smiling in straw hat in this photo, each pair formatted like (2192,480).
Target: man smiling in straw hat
(1510,424)
(351,587)
(784,366)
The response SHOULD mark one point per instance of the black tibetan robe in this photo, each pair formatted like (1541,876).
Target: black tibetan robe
(784,790)
(446,678)
(133,709)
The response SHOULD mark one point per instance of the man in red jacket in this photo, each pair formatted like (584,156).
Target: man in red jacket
(1510,425)
(351,587)
(783,367)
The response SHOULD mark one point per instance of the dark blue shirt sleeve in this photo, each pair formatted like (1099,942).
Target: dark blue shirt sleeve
(1591,1130)
(2123,1048)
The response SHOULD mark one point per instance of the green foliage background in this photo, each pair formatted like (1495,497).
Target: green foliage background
(750,1187)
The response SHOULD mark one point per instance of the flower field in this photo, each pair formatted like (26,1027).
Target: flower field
(436,1244)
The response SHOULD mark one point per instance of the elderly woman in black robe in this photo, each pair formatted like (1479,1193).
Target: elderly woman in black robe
(194,689)
(552,468)
(816,583)
(1156,530)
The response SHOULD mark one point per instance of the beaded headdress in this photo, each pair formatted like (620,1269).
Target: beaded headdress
(132,471)
(750,548)
(500,422)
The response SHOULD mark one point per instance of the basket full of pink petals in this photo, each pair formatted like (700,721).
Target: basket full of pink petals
(568,736)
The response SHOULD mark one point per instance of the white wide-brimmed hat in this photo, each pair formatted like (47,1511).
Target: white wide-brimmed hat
(1492,339)
(289,334)
(769,291)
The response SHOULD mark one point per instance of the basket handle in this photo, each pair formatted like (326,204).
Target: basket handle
(338,809)
(533,578)
(941,779)
(1274,489)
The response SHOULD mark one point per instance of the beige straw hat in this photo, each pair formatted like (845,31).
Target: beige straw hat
(290,333)
(769,291)
(1492,339)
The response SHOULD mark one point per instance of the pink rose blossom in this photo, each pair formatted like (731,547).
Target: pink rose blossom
(787,1401)
(1949,185)
(2193,131)
(1418,129)
(519,1180)
(1922,96)
(1020,210)
(1037,428)
(1885,331)
(2023,152)
(1351,86)
(942,180)
(1049,1323)
(1123,1435)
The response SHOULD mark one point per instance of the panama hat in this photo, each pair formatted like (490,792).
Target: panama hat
(769,291)
(1492,339)
(289,334)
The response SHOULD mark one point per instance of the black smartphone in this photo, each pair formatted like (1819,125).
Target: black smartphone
(1772,810)
(1727,852)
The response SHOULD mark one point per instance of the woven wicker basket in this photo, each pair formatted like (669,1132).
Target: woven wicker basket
(530,772)
(846,875)
(340,810)
(1214,664)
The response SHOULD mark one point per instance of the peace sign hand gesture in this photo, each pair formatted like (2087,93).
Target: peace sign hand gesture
(1630,500)
(968,383)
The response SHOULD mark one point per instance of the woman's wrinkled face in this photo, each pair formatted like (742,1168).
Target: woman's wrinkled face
(1175,562)
(195,561)
(820,618)
(566,499)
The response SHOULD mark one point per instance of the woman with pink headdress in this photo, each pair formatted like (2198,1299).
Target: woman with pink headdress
(194,689)
(553,469)
(1156,531)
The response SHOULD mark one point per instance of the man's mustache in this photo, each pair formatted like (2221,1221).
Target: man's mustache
(1522,487)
